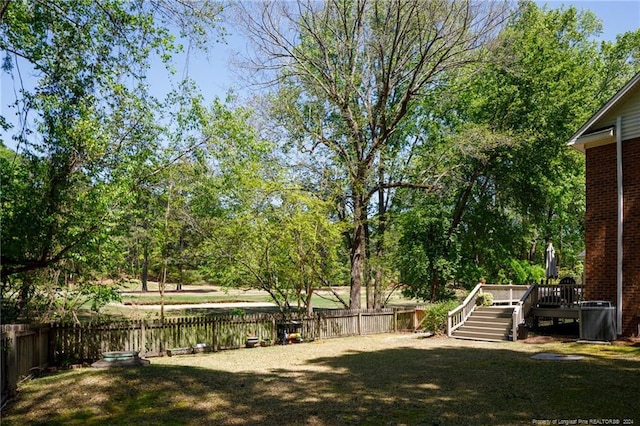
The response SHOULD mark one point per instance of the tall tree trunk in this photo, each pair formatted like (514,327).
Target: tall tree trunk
(181,264)
(382,229)
(377,291)
(24,297)
(309,300)
(163,282)
(145,267)
(367,268)
(357,251)
(165,251)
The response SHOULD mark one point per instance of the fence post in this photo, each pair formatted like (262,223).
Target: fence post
(215,335)
(53,336)
(318,328)
(38,349)
(12,362)
(143,338)
(359,323)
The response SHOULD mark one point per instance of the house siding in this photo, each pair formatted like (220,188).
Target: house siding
(629,110)
(601,228)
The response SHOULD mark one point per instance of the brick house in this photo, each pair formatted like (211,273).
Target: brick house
(610,139)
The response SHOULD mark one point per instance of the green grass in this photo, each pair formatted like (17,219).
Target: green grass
(139,304)
(177,298)
(412,382)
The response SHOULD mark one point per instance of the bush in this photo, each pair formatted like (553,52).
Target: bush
(525,272)
(435,319)
(484,299)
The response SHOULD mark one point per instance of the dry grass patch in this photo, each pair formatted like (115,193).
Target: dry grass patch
(384,379)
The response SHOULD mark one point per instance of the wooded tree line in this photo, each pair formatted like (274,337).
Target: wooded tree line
(405,144)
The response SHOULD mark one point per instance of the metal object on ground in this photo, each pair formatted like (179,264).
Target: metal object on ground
(120,359)
(597,321)
(289,332)
(556,357)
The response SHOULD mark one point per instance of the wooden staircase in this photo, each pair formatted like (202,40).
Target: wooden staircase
(492,323)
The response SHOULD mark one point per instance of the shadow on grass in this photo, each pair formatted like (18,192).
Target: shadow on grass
(443,385)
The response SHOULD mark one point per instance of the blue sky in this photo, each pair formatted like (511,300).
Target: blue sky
(618,16)
(215,75)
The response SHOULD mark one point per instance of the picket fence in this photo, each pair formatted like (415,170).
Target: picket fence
(27,349)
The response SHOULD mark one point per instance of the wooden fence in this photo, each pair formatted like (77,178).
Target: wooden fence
(27,349)
(24,352)
(82,343)
(4,382)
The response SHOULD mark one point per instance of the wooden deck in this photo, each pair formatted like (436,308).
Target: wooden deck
(556,312)
(557,301)
(527,304)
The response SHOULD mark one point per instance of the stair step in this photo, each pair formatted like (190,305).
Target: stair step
(490,323)
(493,313)
(485,328)
(484,339)
(478,318)
(480,335)
(496,308)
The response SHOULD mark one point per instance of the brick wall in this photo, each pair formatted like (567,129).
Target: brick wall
(631,236)
(602,228)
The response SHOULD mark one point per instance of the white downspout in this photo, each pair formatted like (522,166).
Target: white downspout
(620,224)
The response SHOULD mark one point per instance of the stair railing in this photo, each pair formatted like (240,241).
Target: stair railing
(522,309)
(459,315)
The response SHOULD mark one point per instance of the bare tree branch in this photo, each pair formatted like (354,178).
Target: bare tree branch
(360,67)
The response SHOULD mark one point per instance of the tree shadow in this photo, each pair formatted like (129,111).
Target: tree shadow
(443,385)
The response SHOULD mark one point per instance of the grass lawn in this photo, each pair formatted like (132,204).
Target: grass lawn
(185,298)
(378,380)
(136,304)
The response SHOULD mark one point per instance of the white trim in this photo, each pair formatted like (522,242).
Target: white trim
(619,272)
(590,140)
(602,111)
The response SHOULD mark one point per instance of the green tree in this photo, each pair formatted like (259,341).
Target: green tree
(516,185)
(238,216)
(87,128)
(348,73)
(429,255)
(552,76)
(287,247)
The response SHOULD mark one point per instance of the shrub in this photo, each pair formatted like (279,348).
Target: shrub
(484,299)
(435,319)
(525,272)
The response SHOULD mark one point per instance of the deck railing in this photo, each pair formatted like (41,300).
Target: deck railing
(522,309)
(558,295)
(502,294)
(505,294)
(459,315)
(525,298)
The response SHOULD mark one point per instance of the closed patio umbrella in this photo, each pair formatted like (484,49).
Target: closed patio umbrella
(551,266)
